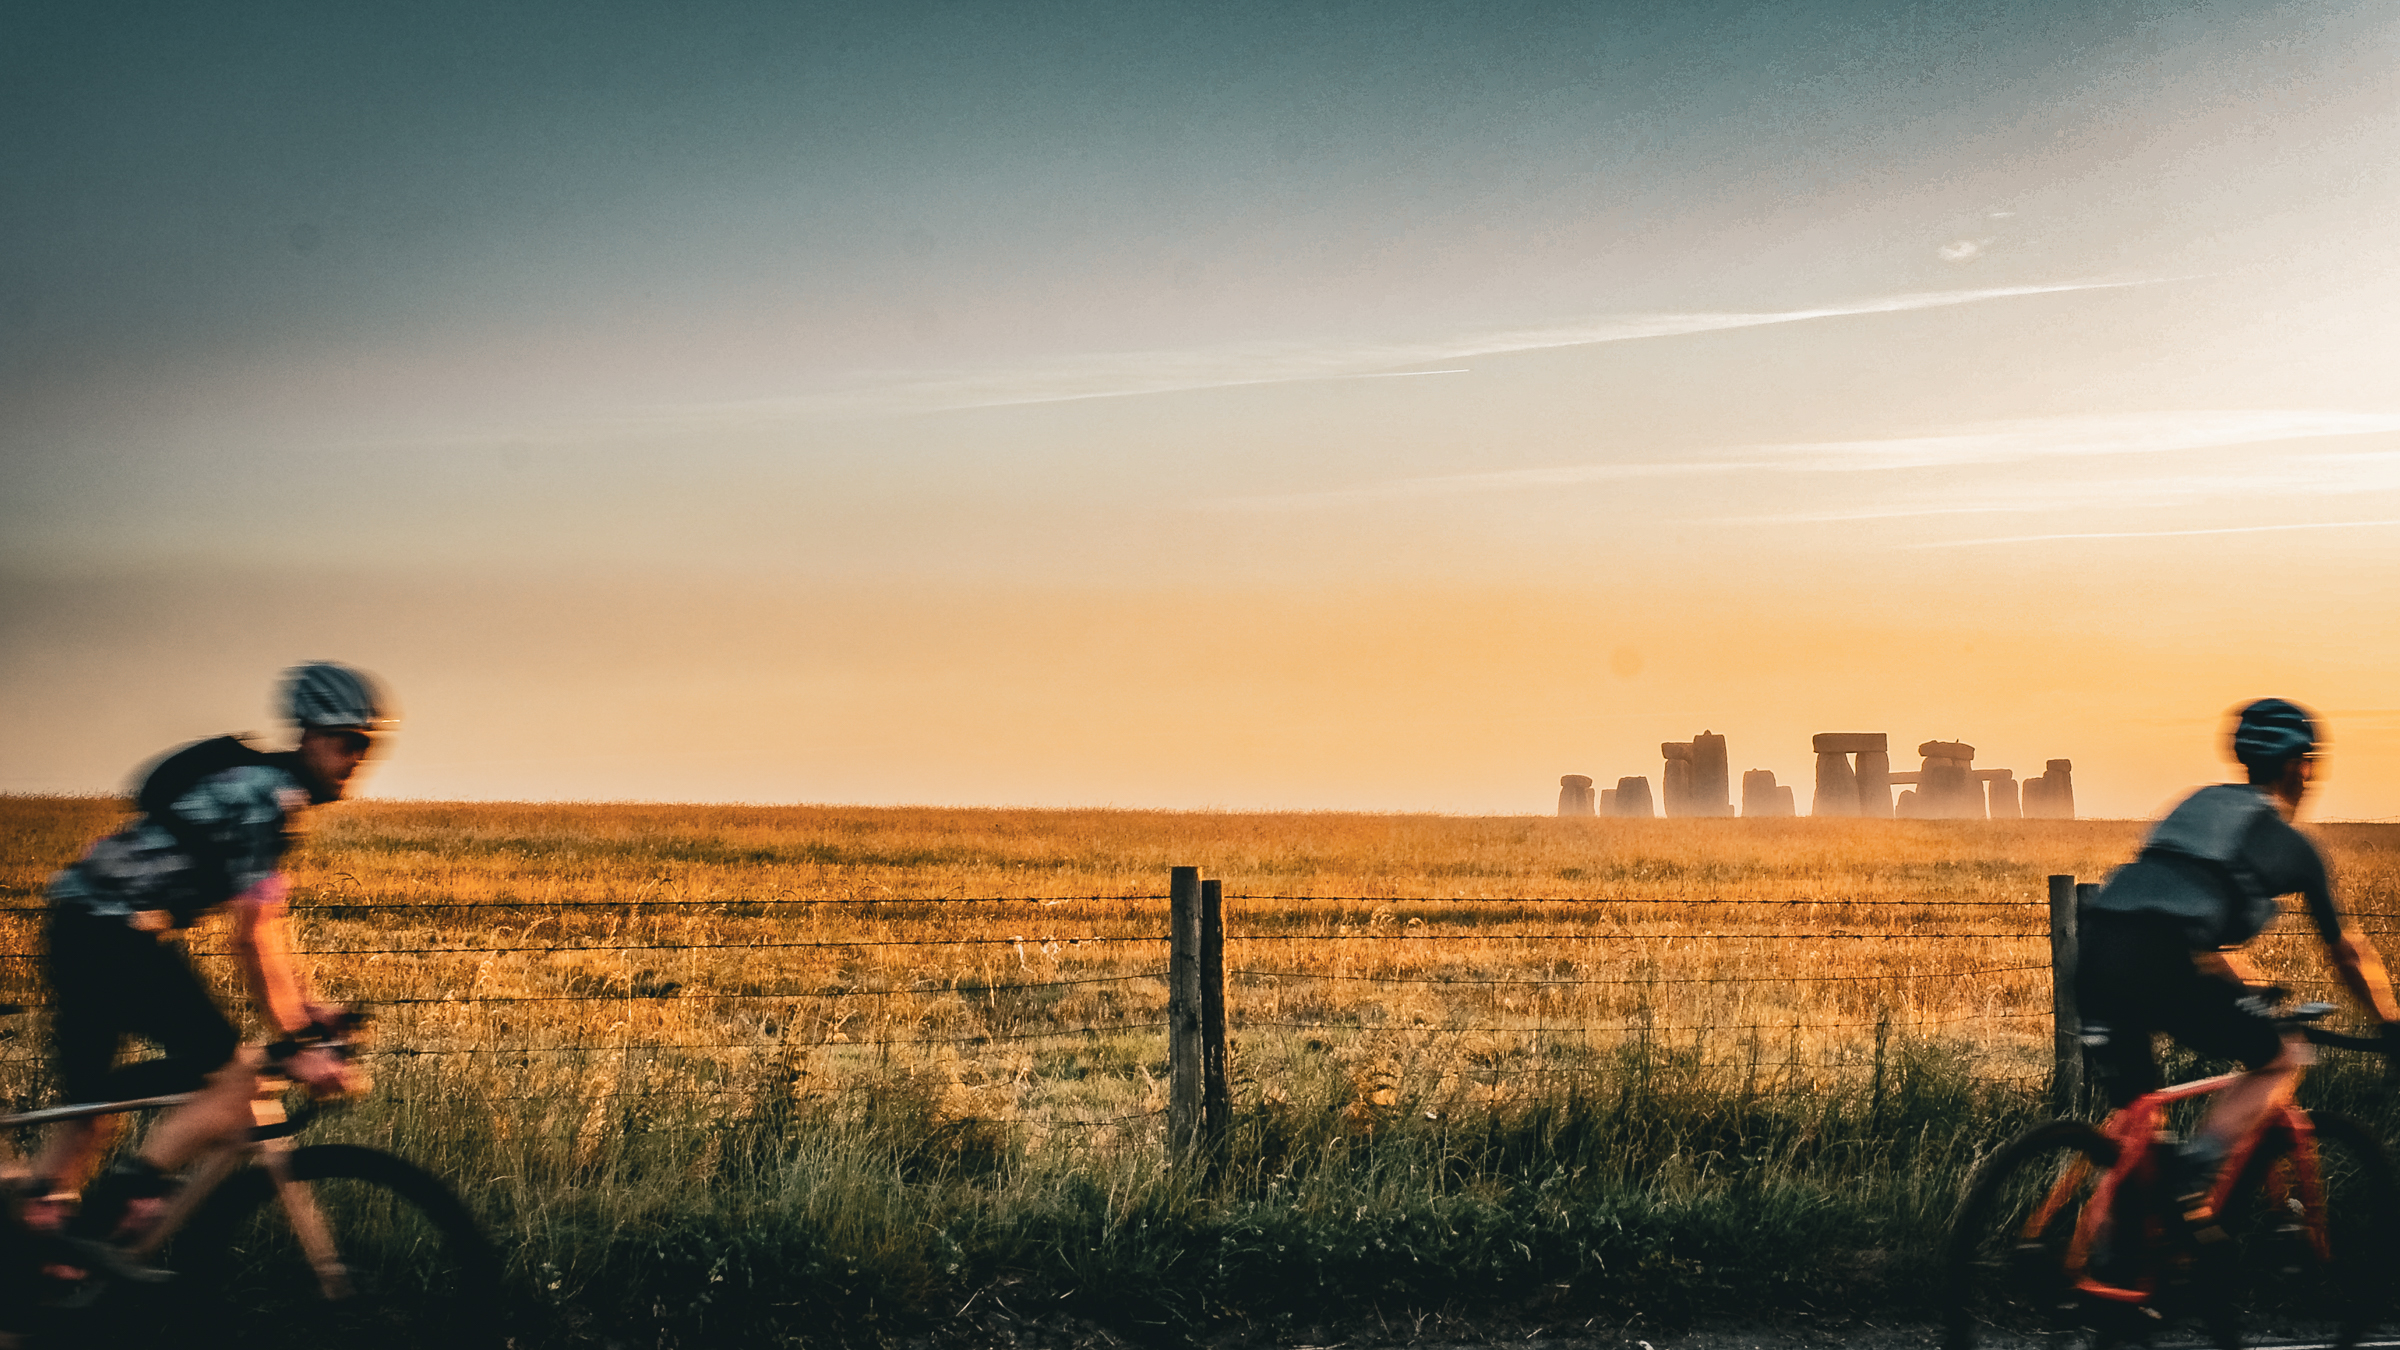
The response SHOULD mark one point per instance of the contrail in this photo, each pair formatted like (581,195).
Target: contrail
(2152,534)
(1134,374)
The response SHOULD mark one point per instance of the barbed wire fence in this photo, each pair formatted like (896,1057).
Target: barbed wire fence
(596,1018)
(671,1016)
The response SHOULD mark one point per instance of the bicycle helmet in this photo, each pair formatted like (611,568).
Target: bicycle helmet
(2271,732)
(329,696)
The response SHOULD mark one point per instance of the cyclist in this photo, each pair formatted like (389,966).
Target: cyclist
(2160,943)
(214,822)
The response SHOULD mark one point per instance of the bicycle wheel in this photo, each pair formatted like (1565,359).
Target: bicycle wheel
(2002,1283)
(2272,1282)
(421,1272)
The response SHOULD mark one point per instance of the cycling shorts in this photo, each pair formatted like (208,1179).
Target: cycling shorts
(2136,975)
(109,980)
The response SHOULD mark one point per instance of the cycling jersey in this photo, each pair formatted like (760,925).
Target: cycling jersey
(2215,866)
(215,823)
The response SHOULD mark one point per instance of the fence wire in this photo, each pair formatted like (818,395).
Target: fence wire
(745,1004)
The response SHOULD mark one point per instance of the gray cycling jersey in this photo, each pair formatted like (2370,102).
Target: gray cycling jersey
(2216,865)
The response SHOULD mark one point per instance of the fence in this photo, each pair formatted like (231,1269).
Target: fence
(1725,979)
(593,1020)
(665,1016)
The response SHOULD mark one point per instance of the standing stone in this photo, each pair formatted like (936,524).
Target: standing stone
(1947,789)
(1608,801)
(2052,796)
(1970,802)
(1574,795)
(1759,797)
(1944,788)
(1712,793)
(1837,787)
(1675,779)
(1783,802)
(2062,791)
(1875,784)
(2001,792)
(1633,798)
(1906,807)
(1677,782)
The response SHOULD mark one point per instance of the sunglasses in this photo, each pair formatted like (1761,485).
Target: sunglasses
(356,742)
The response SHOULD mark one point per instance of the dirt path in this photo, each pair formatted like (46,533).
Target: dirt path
(1734,1335)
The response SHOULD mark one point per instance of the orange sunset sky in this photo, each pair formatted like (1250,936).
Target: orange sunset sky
(1387,407)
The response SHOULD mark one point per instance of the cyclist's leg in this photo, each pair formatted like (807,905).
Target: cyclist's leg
(88,1018)
(204,1057)
(2117,990)
(218,1113)
(2227,1021)
(2237,1110)
(121,980)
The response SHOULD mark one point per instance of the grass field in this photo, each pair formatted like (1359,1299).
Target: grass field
(719,1074)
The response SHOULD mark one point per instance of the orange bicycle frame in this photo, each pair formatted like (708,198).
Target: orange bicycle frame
(2136,1131)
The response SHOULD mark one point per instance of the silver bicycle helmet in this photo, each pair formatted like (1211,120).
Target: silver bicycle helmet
(329,696)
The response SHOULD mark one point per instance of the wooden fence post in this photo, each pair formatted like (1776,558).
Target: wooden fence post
(2066,1027)
(1216,1085)
(1186,1061)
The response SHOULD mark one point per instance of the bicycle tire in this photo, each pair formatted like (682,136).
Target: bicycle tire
(1997,1285)
(2271,1279)
(423,1273)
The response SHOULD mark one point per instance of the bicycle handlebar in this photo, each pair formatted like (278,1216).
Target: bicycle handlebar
(2303,1018)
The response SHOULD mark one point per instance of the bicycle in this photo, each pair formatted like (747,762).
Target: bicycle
(2306,1218)
(361,1249)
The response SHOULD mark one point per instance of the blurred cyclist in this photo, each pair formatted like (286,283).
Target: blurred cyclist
(213,827)
(2159,943)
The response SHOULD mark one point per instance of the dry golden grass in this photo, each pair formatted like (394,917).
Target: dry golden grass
(736,1074)
(581,972)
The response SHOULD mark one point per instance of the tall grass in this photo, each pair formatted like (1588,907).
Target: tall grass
(1502,1071)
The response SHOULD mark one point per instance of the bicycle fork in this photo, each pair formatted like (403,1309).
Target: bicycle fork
(308,1222)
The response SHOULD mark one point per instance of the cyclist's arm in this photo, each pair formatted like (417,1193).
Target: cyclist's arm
(2363,973)
(2354,957)
(262,946)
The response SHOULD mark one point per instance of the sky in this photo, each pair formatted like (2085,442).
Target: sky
(1385,407)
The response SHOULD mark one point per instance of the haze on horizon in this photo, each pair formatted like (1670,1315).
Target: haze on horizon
(1335,406)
